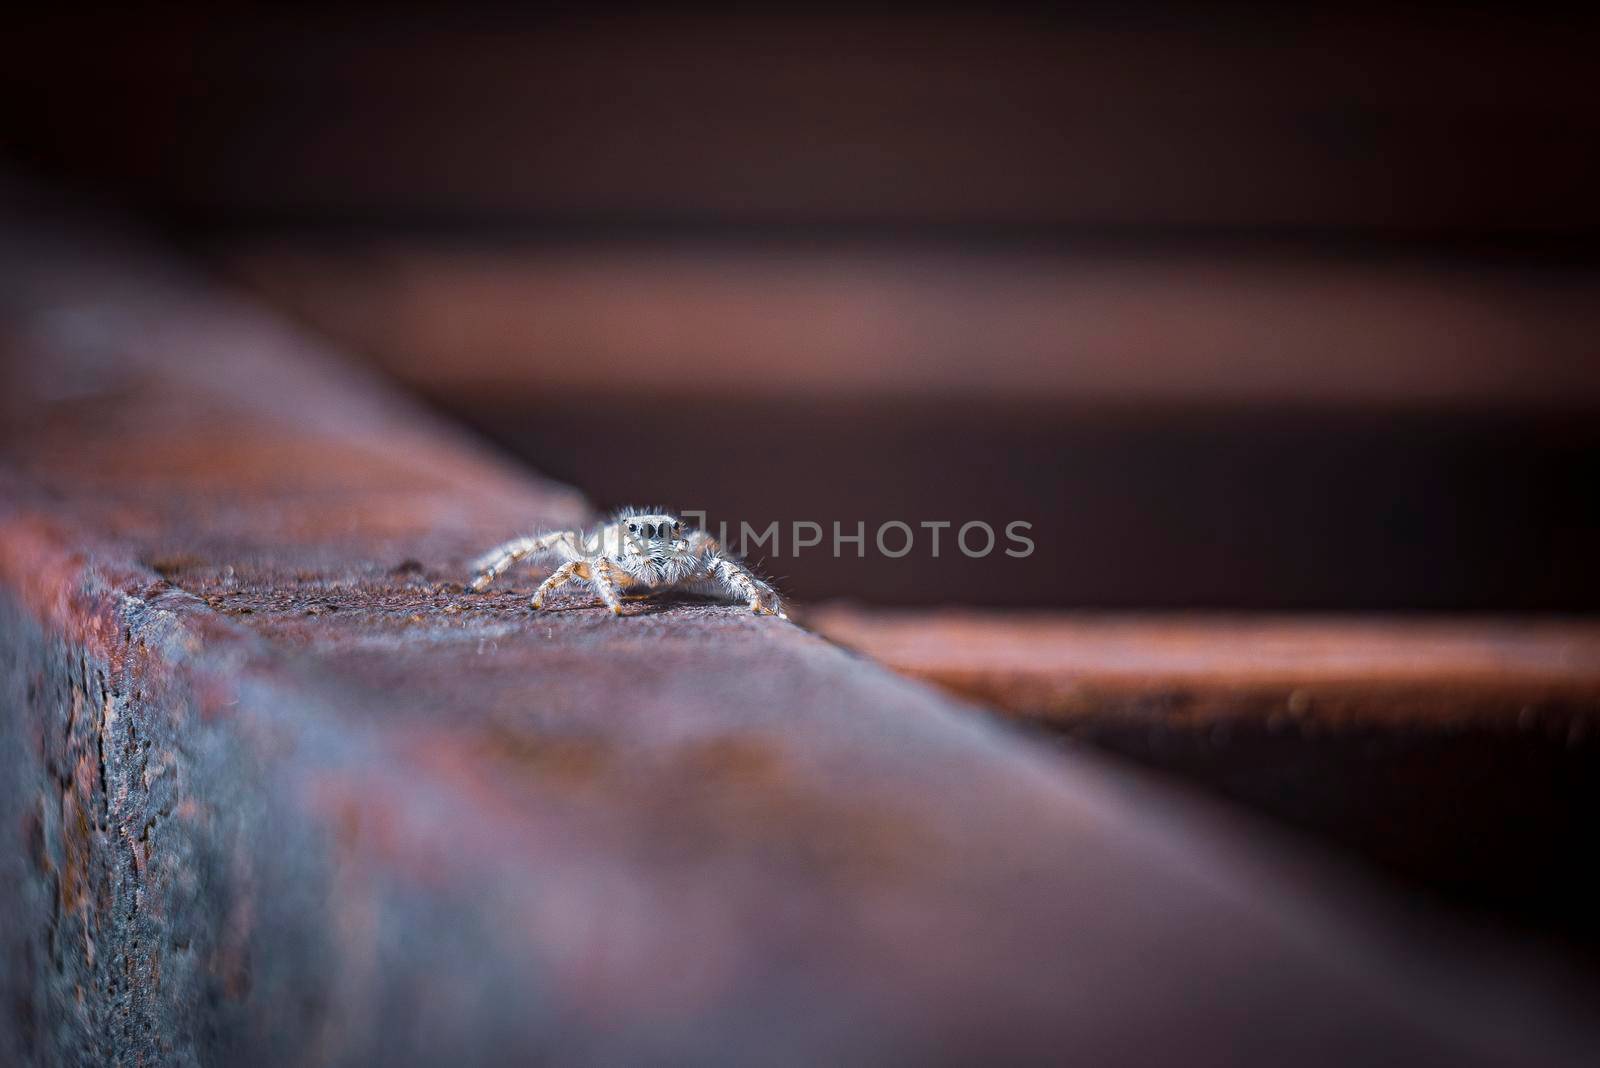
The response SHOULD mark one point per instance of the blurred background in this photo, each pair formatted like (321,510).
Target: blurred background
(1241,309)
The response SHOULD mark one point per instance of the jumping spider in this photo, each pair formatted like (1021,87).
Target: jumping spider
(654,551)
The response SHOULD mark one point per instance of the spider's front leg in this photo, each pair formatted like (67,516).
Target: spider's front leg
(558,578)
(742,583)
(606,577)
(494,563)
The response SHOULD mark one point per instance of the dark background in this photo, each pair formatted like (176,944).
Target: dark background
(1238,307)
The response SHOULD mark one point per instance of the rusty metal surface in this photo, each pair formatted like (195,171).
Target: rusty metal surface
(275,790)
(1533,674)
(1459,753)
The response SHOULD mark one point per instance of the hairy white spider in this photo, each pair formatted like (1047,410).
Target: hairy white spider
(655,551)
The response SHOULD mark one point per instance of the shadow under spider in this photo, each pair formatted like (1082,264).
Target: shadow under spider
(647,604)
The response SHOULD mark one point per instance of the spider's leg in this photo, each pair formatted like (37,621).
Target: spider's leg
(494,563)
(558,578)
(741,582)
(605,578)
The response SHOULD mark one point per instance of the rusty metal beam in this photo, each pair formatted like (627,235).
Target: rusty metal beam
(274,789)
(1308,673)
(1461,752)
(886,321)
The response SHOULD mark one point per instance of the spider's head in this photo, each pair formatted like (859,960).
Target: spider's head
(652,535)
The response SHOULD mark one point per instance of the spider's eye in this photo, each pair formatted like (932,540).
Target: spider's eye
(633,528)
(677,528)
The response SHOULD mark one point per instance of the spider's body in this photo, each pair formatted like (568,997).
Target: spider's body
(649,551)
